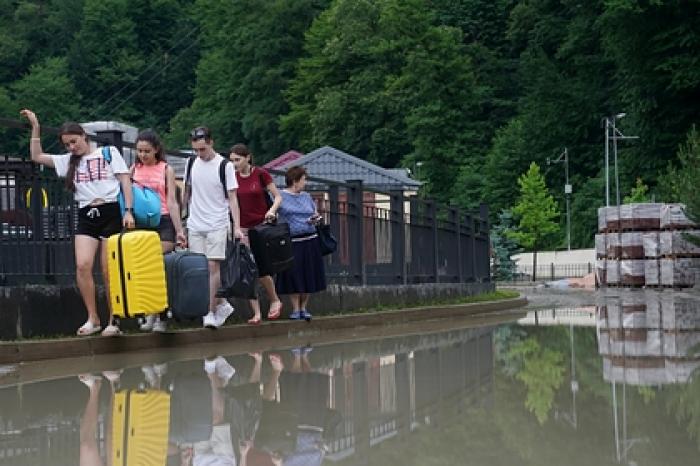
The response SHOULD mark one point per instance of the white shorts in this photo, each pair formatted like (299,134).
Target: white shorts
(210,243)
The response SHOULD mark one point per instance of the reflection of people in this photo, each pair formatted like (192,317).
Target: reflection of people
(253,185)
(307,275)
(95,183)
(218,450)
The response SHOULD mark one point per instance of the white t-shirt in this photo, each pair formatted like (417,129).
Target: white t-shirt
(94,177)
(208,207)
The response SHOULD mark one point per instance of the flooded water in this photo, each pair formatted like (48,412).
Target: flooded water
(615,383)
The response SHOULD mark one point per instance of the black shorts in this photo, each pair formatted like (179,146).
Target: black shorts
(99,222)
(166,229)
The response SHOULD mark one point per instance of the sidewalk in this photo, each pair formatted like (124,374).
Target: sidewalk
(23,351)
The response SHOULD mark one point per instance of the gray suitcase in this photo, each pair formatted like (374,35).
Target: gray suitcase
(187,275)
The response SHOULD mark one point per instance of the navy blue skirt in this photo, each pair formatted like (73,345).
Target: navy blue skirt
(308,274)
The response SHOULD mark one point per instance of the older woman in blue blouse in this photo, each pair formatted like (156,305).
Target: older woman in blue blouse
(307,275)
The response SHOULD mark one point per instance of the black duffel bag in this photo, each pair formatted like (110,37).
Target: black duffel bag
(272,247)
(239,273)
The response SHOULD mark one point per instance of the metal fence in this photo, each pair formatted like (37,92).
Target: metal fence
(383,237)
(552,271)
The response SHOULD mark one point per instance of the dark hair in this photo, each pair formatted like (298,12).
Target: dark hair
(242,150)
(294,174)
(151,137)
(74,129)
(200,132)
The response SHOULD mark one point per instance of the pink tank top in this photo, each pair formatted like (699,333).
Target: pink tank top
(153,176)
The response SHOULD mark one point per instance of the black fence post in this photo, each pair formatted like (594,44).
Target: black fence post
(334,213)
(456,215)
(486,230)
(432,215)
(113,137)
(398,237)
(356,230)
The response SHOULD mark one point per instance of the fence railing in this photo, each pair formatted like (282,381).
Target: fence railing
(384,237)
(551,271)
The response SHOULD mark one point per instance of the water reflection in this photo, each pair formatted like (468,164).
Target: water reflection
(614,384)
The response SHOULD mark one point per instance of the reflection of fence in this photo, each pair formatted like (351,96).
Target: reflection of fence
(384,237)
(552,271)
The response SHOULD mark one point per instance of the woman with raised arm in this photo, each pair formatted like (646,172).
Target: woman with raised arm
(95,183)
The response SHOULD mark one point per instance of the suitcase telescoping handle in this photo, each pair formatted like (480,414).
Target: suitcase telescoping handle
(124,276)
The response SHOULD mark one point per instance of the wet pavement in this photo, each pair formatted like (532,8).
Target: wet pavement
(610,378)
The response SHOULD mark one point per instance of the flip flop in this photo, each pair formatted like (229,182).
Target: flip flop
(111,331)
(255,321)
(88,328)
(275,311)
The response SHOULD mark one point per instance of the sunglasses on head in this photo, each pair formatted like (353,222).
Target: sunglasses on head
(199,133)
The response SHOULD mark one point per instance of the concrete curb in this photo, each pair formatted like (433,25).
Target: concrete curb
(37,350)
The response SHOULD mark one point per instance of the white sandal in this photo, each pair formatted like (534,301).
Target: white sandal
(88,328)
(111,331)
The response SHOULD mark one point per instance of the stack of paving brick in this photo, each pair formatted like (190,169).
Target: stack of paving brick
(646,245)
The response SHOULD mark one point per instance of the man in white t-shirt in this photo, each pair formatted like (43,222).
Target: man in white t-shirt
(208,222)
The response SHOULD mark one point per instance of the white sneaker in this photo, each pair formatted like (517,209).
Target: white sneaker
(224,370)
(223,311)
(221,367)
(150,376)
(209,320)
(160,325)
(147,324)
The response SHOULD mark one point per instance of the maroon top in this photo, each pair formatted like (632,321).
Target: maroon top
(252,196)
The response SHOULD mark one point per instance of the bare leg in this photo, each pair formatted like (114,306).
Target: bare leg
(217,399)
(304,300)
(104,258)
(214,283)
(269,285)
(85,250)
(255,373)
(89,450)
(255,306)
(296,302)
(270,387)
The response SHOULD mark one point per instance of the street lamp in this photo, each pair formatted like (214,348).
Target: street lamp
(564,157)
(611,132)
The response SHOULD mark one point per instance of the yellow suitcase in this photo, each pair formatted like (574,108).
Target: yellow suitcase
(140,422)
(136,274)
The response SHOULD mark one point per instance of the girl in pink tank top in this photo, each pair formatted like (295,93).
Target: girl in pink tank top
(152,171)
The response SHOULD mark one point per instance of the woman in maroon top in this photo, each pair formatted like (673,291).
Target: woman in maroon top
(254,183)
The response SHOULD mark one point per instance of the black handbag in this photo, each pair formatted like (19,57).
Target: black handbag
(328,242)
(239,273)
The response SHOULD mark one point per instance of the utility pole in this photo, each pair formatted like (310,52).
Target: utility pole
(564,157)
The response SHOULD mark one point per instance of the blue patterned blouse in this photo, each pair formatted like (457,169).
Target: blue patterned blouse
(296,210)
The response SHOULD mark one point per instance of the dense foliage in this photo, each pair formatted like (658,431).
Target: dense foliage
(470,91)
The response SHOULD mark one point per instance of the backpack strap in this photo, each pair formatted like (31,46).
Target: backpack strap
(190,163)
(107,154)
(222,175)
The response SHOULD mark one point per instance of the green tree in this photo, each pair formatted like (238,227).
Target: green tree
(383,81)
(639,193)
(250,49)
(503,246)
(681,182)
(542,372)
(535,212)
